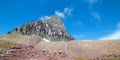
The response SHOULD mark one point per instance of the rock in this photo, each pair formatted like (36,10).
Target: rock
(51,29)
(62,54)
(26,54)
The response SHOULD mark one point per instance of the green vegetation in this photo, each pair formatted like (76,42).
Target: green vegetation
(79,58)
(6,44)
(106,59)
(117,58)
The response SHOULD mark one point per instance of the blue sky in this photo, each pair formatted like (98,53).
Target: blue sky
(84,19)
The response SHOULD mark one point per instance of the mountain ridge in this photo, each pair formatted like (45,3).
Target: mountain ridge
(52,29)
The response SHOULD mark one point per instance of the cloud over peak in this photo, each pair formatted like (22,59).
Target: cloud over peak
(66,11)
(44,17)
(60,14)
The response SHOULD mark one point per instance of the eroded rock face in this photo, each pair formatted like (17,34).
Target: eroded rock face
(52,29)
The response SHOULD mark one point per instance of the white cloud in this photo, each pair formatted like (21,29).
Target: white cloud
(118,25)
(64,13)
(96,16)
(113,36)
(45,17)
(68,10)
(60,14)
(79,36)
(91,2)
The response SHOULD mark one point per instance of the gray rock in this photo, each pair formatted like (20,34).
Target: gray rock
(52,29)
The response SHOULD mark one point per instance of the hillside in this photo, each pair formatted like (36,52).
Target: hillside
(74,50)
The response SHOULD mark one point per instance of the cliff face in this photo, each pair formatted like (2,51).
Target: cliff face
(52,29)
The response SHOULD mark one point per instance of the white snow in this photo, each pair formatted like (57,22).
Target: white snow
(46,40)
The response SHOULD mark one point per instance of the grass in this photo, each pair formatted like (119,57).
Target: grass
(79,58)
(117,58)
(6,44)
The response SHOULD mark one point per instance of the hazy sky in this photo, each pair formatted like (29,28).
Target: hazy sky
(84,19)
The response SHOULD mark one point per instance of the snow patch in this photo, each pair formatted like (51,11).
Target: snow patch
(46,40)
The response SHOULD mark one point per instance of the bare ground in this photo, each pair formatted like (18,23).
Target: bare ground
(73,50)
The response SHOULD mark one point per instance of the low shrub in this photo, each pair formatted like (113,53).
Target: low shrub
(6,44)
(79,58)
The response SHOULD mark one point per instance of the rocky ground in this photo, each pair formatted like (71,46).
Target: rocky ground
(23,52)
(22,47)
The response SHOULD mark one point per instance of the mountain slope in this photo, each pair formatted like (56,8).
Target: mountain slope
(74,50)
(98,50)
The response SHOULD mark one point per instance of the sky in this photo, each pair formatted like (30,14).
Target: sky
(83,19)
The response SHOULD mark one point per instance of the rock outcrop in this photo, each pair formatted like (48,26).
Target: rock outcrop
(52,29)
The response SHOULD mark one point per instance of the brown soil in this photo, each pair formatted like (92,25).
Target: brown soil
(73,50)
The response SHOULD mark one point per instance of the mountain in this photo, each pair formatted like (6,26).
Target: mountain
(52,29)
(43,40)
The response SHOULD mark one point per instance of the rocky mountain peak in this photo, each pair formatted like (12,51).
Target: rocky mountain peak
(56,20)
(51,29)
